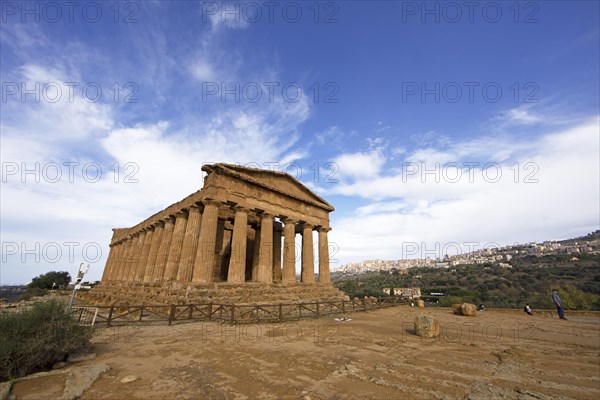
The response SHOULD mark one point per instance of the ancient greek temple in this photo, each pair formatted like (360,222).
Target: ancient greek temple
(232,241)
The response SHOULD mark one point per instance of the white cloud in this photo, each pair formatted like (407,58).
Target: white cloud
(549,189)
(202,70)
(360,165)
(164,164)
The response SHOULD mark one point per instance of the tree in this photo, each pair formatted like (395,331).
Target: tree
(46,281)
(392,291)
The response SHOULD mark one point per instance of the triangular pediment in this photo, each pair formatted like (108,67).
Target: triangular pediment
(272,180)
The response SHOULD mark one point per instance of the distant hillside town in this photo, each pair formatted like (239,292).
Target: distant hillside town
(501,256)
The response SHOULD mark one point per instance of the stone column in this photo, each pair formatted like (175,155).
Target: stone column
(324,276)
(237,263)
(108,265)
(277,252)
(175,247)
(289,252)
(265,255)
(190,245)
(138,254)
(119,260)
(216,272)
(151,262)
(130,261)
(141,267)
(255,253)
(207,240)
(163,251)
(308,260)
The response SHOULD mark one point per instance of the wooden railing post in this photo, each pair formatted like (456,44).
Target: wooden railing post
(190,311)
(110,313)
(232,321)
(280,312)
(364,304)
(210,311)
(317,309)
(172,314)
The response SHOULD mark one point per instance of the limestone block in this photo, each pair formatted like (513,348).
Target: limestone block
(468,309)
(427,326)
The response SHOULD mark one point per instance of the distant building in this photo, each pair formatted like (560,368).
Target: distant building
(411,293)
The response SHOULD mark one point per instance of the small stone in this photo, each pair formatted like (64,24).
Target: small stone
(129,378)
(427,326)
(165,341)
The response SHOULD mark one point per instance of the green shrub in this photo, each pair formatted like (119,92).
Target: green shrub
(36,338)
(47,280)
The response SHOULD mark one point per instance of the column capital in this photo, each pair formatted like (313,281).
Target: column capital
(194,207)
(307,225)
(158,223)
(241,209)
(288,220)
(181,213)
(211,202)
(170,219)
(265,215)
(323,229)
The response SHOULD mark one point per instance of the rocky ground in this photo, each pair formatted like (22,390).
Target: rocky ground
(376,355)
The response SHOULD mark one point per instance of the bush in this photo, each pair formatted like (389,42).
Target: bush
(36,338)
(45,281)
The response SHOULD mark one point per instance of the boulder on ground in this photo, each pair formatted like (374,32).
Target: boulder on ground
(427,326)
(468,309)
(420,303)
(457,309)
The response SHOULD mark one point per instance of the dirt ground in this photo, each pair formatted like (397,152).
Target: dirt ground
(376,355)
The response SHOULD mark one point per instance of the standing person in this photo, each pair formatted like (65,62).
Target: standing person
(558,302)
(527,309)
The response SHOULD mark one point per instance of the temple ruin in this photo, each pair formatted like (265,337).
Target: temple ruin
(233,241)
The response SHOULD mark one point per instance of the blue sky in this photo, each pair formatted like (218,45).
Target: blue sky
(431,123)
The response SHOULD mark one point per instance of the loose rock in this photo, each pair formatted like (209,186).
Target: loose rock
(427,326)
(468,309)
(129,378)
(81,379)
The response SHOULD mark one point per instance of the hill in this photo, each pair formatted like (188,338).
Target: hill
(527,279)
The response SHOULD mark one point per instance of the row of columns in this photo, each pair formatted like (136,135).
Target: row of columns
(184,247)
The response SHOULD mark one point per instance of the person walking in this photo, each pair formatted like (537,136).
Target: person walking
(558,303)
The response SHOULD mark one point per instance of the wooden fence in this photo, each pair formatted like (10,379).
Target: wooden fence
(232,313)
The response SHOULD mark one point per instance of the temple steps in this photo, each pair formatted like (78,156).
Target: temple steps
(220,293)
